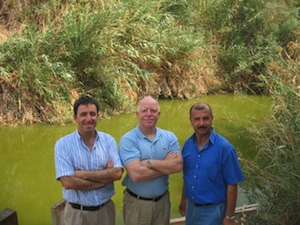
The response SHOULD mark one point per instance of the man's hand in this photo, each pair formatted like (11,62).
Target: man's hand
(182,208)
(168,165)
(171,155)
(110,164)
(103,176)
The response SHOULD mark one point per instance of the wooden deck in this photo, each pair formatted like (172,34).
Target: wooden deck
(240,212)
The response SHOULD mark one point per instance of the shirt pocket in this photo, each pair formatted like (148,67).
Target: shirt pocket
(212,171)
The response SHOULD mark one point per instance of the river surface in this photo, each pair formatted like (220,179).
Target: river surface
(27,171)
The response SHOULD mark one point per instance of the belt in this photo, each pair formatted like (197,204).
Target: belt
(143,198)
(87,208)
(200,205)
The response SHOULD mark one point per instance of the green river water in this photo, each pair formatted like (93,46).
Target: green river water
(27,171)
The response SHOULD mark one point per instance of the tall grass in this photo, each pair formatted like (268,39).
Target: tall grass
(273,175)
(247,33)
(118,51)
(115,52)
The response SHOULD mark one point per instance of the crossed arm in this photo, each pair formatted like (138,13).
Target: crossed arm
(138,171)
(87,180)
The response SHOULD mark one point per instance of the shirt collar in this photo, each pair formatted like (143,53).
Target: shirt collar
(211,138)
(79,137)
(142,136)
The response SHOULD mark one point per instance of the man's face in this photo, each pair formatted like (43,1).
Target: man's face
(148,113)
(201,121)
(86,118)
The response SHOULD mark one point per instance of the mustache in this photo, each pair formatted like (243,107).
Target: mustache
(202,127)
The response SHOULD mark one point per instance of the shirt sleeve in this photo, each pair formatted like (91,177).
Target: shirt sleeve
(63,164)
(174,145)
(128,150)
(232,171)
(113,151)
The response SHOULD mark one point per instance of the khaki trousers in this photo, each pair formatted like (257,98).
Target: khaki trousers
(141,212)
(103,216)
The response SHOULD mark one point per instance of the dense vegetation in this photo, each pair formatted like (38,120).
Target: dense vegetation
(117,51)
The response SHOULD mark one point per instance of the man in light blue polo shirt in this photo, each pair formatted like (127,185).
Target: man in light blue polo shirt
(211,172)
(149,155)
(87,163)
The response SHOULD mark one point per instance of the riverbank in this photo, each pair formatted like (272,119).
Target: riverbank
(51,52)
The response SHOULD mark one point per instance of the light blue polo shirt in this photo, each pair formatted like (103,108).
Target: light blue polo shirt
(134,145)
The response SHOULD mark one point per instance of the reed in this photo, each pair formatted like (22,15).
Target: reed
(273,175)
(118,51)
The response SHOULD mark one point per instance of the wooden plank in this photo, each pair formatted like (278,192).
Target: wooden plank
(179,220)
(8,217)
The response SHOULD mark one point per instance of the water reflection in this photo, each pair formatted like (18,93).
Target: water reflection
(26,152)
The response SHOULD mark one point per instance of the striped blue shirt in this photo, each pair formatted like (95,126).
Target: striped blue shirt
(72,154)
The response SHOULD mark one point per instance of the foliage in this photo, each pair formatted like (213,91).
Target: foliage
(31,79)
(118,51)
(273,175)
(248,32)
(115,51)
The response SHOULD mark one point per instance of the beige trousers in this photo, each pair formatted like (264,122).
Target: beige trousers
(104,216)
(141,212)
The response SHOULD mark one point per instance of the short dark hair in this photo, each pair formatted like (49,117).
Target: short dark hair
(201,106)
(84,100)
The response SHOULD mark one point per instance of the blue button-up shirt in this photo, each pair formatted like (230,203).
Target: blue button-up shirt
(208,172)
(72,154)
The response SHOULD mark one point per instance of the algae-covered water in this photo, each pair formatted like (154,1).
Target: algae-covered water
(27,171)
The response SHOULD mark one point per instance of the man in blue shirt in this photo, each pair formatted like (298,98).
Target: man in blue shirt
(211,172)
(149,155)
(87,163)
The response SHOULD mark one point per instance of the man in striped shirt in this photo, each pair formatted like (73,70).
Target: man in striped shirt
(87,163)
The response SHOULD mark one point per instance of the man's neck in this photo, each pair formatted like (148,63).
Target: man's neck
(202,140)
(149,132)
(88,138)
